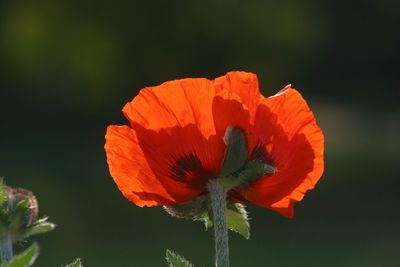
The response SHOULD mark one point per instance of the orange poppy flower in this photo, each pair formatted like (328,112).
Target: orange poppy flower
(174,143)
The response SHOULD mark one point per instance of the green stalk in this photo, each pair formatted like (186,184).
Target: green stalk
(6,249)
(218,203)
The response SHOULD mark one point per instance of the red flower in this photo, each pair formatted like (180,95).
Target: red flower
(174,143)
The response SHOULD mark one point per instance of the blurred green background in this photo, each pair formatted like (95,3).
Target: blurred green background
(68,67)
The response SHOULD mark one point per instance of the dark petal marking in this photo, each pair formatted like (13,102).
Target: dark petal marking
(260,153)
(188,169)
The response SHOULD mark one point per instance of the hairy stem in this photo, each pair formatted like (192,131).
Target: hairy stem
(218,203)
(6,249)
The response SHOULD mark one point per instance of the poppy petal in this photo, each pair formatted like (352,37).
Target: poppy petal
(285,126)
(130,170)
(244,85)
(229,112)
(174,103)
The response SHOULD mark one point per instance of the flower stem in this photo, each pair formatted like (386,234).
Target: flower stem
(218,203)
(6,249)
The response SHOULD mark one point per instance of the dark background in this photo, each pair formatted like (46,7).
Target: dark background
(68,67)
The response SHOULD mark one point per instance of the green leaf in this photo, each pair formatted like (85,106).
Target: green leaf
(40,228)
(76,263)
(238,220)
(24,259)
(235,153)
(175,260)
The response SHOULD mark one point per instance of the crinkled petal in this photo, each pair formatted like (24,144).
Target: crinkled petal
(244,85)
(286,127)
(174,103)
(130,169)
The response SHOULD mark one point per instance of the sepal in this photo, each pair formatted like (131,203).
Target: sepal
(236,151)
(238,220)
(196,209)
(200,209)
(251,171)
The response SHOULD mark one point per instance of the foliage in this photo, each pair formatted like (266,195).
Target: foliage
(175,260)
(24,259)
(18,221)
(76,263)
